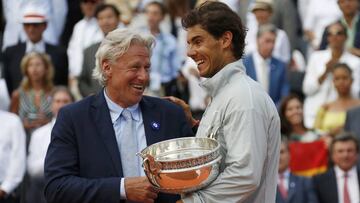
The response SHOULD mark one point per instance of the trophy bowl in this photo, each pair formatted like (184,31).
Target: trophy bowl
(181,165)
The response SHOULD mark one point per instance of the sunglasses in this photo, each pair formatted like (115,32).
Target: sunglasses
(336,33)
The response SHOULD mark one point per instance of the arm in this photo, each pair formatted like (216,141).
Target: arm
(246,153)
(311,84)
(16,167)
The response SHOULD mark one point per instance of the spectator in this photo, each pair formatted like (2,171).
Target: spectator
(350,19)
(330,118)
(307,148)
(263,10)
(86,32)
(108,18)
(263,67)
(340,184)
(35,23)
(13,11)
(318,85)
(290,187)
(320,13)
(39,143)
(31,101)
(165,61)
(12,156)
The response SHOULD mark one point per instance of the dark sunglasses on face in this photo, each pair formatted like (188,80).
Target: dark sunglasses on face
(336,33)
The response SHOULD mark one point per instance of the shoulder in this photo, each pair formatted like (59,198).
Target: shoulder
(354,111)
(10,118)
(14,49)
(55,49)
(15,94)
(324,176)
(42,131)
(277,62)
(162,104)
(92,48)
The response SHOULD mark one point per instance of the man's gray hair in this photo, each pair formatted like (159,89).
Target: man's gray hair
(115,44)
(266,28)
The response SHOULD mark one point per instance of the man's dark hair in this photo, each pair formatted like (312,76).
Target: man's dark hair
(217,18)
(161,6)
(344,137)
(102,7)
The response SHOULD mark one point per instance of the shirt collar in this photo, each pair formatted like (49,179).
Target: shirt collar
(116,110)
(258,57)
(340,173)
(286,174)
(38,47)
(220,79)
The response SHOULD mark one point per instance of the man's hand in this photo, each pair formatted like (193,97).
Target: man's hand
(2,194)
(139,189)
(192,121)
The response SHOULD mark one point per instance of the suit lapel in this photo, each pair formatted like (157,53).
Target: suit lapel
(333,193)
(151,116)
(292,187)
(101,113)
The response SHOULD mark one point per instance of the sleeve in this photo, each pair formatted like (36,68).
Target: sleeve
(311,84)
(63,182)
(35,160)
(75,52)
(246,146)
(16,169)
(285,87)
(355,87)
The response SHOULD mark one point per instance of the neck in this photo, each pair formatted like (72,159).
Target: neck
(37,85)
(337,52)
(299,129)
(344,97)
(349,18)
(155,30)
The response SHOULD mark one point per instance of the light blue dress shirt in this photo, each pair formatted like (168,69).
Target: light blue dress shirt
(115,112)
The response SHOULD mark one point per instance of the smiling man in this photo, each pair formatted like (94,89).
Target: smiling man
(92,153)
(242,115)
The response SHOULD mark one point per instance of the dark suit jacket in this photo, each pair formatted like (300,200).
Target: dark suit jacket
(352,121)
(325,186)
(300,191)
(83,163)
(87,85)
(12,69)
(278,84)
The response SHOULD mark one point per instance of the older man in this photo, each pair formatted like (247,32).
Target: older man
(91,157)
(341,182)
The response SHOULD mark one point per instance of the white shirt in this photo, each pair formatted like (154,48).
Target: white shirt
(248,130)
(56,11)
(38,47)
(39,142)
(286,179)
(12,151)
(262,70)
(316,94)
(320,13)
(86,32)
(282,45)
(352,181)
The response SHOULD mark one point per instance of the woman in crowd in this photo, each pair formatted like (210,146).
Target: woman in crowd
(31,101)
(308,149)
(330,118)
(292,120)
(39,143)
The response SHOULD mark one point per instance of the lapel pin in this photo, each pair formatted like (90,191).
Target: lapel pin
(155,125)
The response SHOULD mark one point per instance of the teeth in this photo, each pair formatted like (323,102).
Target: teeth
(199,62)
(139,87)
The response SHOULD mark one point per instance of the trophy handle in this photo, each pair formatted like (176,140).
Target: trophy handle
(151,166)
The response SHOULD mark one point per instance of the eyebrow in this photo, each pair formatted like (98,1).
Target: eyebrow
(194,38)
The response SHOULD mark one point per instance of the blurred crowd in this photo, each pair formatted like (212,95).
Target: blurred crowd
(304,53)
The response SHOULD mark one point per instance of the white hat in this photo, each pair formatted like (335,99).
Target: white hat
(34,14)
(262,5)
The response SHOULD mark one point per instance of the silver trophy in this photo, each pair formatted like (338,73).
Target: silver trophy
(182,165)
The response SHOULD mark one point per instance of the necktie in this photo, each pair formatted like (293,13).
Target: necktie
(346,191)
(282,187)
(128,146)
(263,79)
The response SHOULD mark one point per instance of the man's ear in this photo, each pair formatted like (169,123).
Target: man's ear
(226,39)
(106,67)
